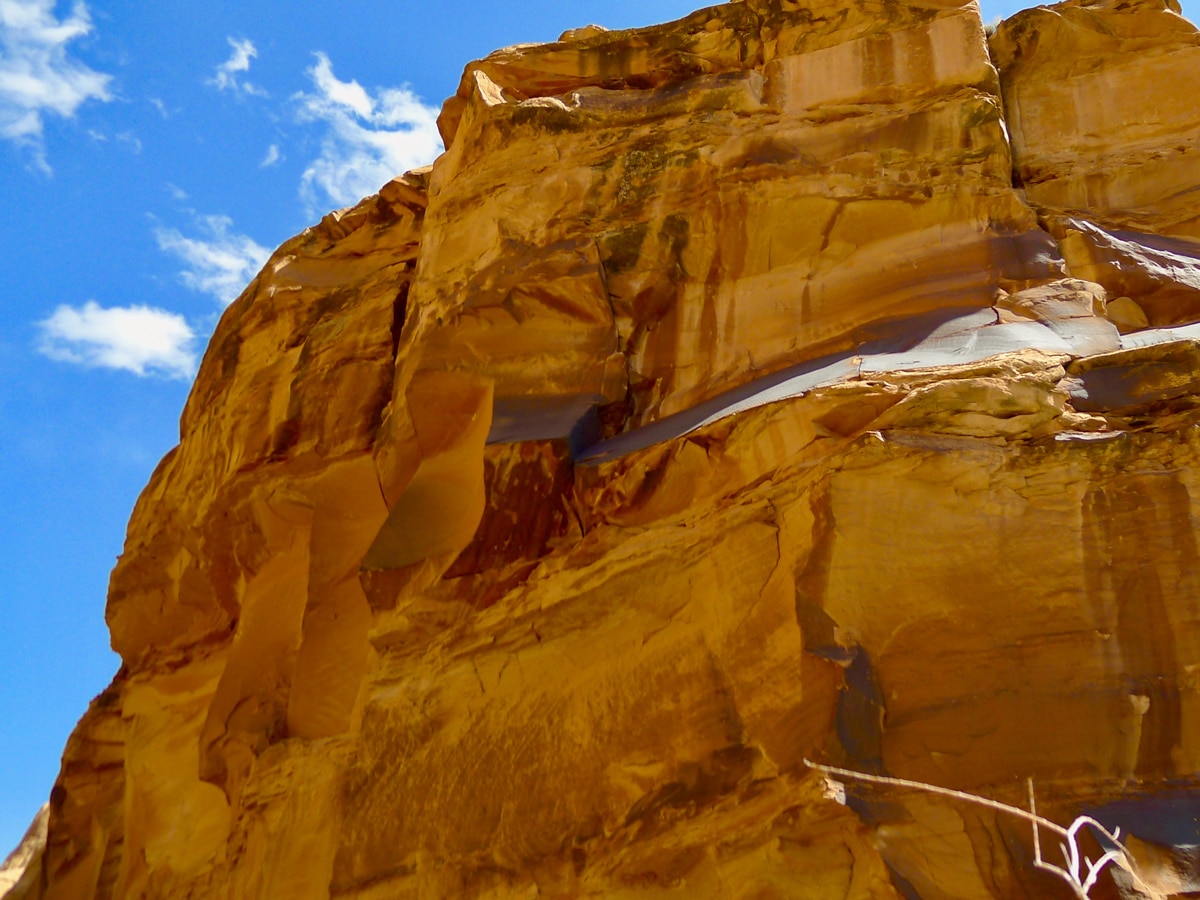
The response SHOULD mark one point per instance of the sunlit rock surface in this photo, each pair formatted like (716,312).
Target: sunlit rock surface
(790,381)
(1100,102)
(28,853)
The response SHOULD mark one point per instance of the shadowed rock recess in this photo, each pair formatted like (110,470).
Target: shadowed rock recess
(797,379)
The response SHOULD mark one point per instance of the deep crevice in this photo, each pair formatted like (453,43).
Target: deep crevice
(399,315)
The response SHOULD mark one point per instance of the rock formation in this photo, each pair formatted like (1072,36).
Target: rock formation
(794,380)
(26,854)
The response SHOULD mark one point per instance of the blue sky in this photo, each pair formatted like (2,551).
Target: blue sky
(151,155)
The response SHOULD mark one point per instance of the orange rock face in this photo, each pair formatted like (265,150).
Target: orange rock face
(787,382)
(1112,169)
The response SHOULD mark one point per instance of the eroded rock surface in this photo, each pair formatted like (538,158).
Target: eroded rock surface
(1107,140)
(790,381)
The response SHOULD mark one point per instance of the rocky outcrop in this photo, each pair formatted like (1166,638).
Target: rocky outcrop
(787,382)
(1111,169)
(25,859)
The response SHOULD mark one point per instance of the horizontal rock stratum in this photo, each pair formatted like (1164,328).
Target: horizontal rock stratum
(796,380)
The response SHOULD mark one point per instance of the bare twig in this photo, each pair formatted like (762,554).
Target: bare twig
(1073,874)
(945,792)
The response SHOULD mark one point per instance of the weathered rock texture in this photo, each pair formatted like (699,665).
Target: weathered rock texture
(793,380)
(26,854)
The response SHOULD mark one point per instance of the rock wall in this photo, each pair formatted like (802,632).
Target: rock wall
(789,381)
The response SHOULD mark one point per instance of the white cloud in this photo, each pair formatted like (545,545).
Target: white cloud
(138,339)
(273,156)
(368,140)
(226,77)
(131,140)
(220,264)
(149,341)
(36,75)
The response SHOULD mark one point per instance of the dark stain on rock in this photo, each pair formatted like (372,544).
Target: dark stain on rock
(1137,379)
(529,489)
(697,786)
(860,716)
(620,250)
(1138,547)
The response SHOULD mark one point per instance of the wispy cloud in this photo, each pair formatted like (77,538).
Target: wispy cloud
(138,339)
(158,104)
(36,74)
(368,139)
(220,262)
(273,156)
(227,74)
(146,340)
(131,140)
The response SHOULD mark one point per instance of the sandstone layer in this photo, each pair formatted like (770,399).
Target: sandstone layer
(792,381)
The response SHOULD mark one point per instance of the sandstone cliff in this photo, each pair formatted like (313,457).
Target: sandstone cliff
(792,380)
